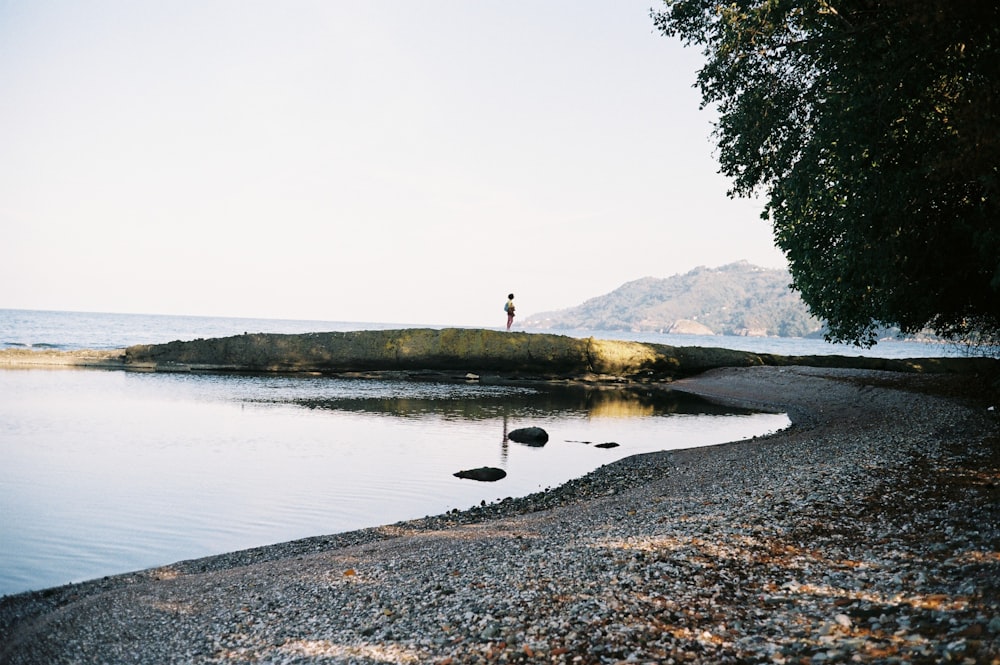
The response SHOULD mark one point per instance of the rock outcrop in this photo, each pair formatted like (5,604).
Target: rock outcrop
(468,351)
(461,352)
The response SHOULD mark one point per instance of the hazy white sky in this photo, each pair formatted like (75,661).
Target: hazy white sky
(364,160)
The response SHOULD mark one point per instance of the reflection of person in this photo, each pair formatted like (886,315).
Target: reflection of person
(504,444)
(510,309)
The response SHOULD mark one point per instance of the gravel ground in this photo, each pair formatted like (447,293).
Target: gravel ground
(867,532)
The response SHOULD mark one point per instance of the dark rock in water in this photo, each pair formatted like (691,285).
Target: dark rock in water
(486,473)
(609,444)
(531,436)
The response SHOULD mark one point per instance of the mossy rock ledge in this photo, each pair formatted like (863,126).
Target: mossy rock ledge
(479,351)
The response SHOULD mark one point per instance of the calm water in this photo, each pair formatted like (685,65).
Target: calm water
(106,472)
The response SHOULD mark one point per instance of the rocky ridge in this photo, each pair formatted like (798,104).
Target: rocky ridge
(457,353)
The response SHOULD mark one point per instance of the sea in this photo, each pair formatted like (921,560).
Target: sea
(105,472)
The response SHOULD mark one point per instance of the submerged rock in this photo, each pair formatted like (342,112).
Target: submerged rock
(484,473)
(531,436)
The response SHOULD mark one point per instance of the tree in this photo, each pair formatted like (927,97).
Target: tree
(873,128)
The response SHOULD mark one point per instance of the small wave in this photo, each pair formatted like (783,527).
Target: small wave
(41,346)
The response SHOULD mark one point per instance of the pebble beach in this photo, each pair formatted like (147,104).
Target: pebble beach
(868,532)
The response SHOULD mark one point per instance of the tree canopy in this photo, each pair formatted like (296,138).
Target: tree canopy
(873,128)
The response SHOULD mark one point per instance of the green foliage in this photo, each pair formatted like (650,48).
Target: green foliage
(872,125)
(734,299)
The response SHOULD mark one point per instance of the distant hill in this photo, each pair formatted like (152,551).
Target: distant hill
(736,299)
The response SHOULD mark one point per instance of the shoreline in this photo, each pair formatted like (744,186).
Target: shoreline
(458,352)
(19,358)
(869,529)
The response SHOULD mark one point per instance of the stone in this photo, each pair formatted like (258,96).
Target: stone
(530,436)
(843,621)
(483,473)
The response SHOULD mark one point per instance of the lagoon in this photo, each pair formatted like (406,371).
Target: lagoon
(107,472)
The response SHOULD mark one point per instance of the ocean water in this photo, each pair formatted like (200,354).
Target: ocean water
(89,330)
(94,330)
(104,472)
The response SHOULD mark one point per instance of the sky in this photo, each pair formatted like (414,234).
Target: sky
(366,160)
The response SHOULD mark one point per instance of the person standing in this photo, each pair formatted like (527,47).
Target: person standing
(509,308)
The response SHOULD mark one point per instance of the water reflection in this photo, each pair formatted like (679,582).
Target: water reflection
(546,400)
(520,403)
